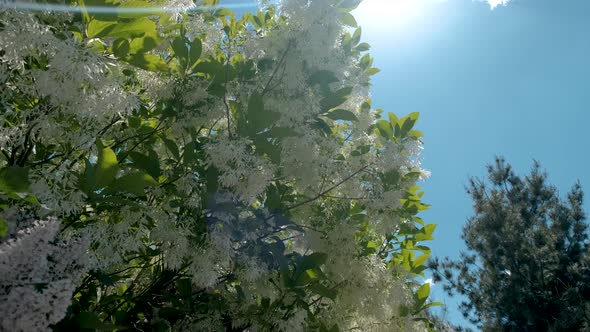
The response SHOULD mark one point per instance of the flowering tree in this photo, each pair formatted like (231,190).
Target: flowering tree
(216,173)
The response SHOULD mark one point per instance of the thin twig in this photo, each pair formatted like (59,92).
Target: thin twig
(266,88)
(227,112)
(349,198)
(327,190)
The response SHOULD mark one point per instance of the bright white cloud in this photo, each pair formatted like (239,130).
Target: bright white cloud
(429,281)
(495,3)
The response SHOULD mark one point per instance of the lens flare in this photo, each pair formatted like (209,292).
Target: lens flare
(116,10)
(387,13)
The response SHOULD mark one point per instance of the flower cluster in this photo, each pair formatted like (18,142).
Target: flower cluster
(224,173)
(37,276)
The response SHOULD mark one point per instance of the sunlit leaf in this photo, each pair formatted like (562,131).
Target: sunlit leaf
(134,183)
(134,9)
(106,167)
(149,62)
(384,129)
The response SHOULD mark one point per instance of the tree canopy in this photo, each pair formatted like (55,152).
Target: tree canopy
(528,265)
(192,170)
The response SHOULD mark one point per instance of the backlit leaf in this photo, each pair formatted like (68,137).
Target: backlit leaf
(341,114)
(106,167)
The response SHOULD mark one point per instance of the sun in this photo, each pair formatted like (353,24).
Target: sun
(389,13)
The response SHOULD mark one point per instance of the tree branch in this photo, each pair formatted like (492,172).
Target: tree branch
(227,112)
(323,193)
(266,88)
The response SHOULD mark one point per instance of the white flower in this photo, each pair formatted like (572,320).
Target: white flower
(38,275)
(243,171)
(58,189)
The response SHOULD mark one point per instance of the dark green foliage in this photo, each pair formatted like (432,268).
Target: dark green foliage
(527,267)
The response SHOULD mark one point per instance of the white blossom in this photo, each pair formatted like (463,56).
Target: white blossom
(38,277)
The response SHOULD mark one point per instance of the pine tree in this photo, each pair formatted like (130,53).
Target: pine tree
(527,265)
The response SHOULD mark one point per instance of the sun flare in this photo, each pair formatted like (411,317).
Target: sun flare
(387,13)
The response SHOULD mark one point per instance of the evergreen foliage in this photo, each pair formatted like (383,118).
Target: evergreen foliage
(527,267)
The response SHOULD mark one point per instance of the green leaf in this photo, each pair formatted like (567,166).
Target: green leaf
(322,290)
(97,28)
(106,167)
(323,126)
(311,273)
(134,183)
(189,153)
(136,28)
(172,147)
(408,257)
(107,12)
(348,4)
(341,114)
(134,121)
(415,134)
(366,62)
(212,179)
(211,67)
(347,19)
(335,99)
(384,128)
(314,260)
(134,9)
(420,260)
(422,294)
(147,163)
(392,119)
(196,48)
(3,227)
(429,229)
(32,199)
(266,148)
(143,44)
(419,269)
(120,47)
(361,150)
(408,123)
(258,117)
(426,233)
(423,249)
(223,12)
(372,71)
(180,48)
(363,47)
(149,62)
(14,179)
(85,14)
(257,21)
(356,36)
(432,304)
(89,320)
(322,77)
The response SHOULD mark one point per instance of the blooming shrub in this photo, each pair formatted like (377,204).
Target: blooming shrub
(216,173)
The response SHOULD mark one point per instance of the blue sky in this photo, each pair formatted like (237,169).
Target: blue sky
(514,82)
